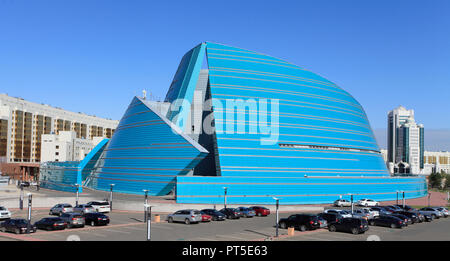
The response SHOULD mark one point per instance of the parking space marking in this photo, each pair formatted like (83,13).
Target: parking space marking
(135,228)
(203,239)
(118,231)
(228,236)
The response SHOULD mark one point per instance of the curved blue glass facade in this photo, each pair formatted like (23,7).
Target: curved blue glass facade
(279,131)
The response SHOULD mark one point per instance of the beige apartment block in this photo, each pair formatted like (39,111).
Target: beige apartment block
(22,124)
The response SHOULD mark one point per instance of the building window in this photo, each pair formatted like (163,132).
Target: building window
(56,153)
(57,147)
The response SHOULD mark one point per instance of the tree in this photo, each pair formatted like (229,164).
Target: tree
(435,180)
(447,181)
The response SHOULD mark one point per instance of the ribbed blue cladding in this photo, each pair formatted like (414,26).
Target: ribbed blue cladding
(325,148)
(312,111)
(145,152)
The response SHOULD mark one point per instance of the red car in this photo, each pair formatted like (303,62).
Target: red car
(206,218)
(261,211)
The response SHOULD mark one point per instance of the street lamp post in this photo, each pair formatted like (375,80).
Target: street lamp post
(403,192)
(21,197)
(397,197)
(225,197)
(351,200)
(276,210)
(29,212)
(145,204)
(111,196)
(148,209)
(77,195)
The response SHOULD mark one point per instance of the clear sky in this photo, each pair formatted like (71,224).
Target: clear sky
(93,56)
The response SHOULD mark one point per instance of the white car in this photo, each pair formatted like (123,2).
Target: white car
(343,213)
(342,203)
(4,213)
(373,213)
(367,202)
(100,206)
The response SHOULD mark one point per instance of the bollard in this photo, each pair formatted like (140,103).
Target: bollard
(291,231)
(157,218)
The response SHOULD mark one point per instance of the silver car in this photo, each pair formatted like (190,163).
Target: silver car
(60,209)
(187,216)
(432,212)
(363,213)
(443,210)
(342,203)
(73,219)
(83,209)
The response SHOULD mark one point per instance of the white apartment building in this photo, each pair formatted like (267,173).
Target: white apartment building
(22,123)
(405,142)
(396,118)
(410,147)
(436,161)
(65,146)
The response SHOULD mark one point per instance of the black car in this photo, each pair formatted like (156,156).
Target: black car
(387,221)
(382,210)
(301,222)
(230,213)
(16,225)
(51,223)
(352,225)
(406,208)
(413,216)
(406,219)
(330,217)
(96,219)
(216,215)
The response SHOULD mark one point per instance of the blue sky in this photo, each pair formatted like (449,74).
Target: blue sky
(93,56)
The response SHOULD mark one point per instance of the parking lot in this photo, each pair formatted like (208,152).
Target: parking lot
(129,226)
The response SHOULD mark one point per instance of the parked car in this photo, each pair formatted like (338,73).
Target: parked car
(406,208)
(387,221)
(367,202)
(322,221)
(73,219)
(51,223)
(100,206)
(393,208)
(433,212)
(60,209)
(353,225)
(260,211)
(4,213)
(301,222)
(187,216)
(96,219)
(343,213)
(363,213)
(246,212)
(381,210)
(330,217)
(342,203)
(216,215)
(372,213)
(231,213)
(83,209)
(412,215)
(443,210)
(16,225)
(406,219)
(206,217)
